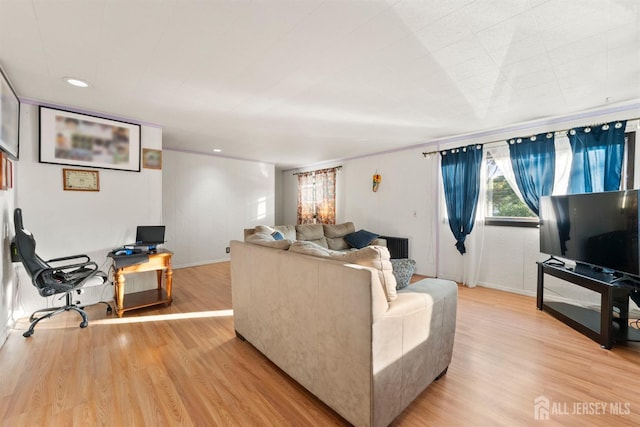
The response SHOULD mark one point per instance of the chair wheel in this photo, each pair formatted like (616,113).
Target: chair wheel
(84,324)
(109,310)
(27,334)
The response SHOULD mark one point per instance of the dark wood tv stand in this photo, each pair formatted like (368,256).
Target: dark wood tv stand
(600,326)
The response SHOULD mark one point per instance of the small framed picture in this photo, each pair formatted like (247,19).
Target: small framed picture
(80,180)
(151,159)
(7,172)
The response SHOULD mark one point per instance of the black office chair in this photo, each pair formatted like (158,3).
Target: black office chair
(69,274)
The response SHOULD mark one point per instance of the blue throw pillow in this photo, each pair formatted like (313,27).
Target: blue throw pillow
(403,270)
(277,235)
(360,239)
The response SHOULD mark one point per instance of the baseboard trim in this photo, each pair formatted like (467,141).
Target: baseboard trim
(199,263)
(506,289)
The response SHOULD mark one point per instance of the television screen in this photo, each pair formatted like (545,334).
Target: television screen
(600,229)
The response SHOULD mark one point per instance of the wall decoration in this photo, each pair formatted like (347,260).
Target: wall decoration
(9,174)
(80,180)
(377,179)
(6,173)
(68,138)
(151,159)
(9,117)
(3,173)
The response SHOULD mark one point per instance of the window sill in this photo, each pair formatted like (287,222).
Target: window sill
(511,222)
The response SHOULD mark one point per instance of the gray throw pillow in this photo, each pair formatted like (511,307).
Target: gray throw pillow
(403,270)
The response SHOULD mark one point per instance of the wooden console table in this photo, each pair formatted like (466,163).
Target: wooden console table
(600,326)
(158,261)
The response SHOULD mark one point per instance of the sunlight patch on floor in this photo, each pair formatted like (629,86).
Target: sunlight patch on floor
(163,317)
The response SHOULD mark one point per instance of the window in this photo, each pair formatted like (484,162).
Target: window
(317,197)
(504,207)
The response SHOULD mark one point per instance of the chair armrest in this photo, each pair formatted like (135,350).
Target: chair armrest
(66,258)
(70,277)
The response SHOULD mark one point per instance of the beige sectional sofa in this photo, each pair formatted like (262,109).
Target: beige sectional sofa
(331,236)
(330,321)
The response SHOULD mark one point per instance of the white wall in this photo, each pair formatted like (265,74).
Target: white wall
(402,206)
(72,222)
(410,184)
(9,285)
(210,200)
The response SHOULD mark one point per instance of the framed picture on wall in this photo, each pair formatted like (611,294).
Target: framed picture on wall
(68,138)
(151,159)
(9,117)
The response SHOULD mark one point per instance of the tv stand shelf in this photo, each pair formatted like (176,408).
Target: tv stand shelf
(600,326)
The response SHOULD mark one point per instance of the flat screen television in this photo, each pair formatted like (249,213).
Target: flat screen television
(597,229)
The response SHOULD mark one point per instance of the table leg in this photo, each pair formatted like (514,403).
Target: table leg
(119,284)
(159,276)
(539,295)
(169,280)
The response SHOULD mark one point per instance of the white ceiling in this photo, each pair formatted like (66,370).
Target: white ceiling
(296,82)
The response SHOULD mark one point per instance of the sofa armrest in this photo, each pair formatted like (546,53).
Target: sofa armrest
(378,242)
(249,232)
(412,345)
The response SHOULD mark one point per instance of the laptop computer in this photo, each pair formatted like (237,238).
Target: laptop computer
(148,237)
(150,234)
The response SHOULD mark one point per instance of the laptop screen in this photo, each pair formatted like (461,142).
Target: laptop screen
(150,234)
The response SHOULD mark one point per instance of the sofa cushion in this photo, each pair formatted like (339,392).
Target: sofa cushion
(311,233)
(338,230)
(265,239)
(403,270)
(360,238)
(287,231)
(377,257)
(311,248)
(334,233)
(264,229)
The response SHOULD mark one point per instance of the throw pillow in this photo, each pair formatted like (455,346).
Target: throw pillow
(378,258)
(277,235)
(287,231)
(403,270)
(360,238)
(265,239)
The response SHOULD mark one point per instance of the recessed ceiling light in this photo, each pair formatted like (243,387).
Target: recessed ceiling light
(217,150)
(76,82)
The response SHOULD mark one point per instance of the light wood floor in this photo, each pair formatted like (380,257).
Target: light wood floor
(183,365)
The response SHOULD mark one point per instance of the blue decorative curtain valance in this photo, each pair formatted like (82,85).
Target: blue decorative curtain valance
(598,152)
(534,165)
(461,179)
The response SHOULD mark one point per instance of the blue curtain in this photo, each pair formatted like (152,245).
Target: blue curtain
(597,158)
(534,166)
(461,178)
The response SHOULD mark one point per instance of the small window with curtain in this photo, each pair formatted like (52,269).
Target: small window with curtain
(317,197)
(503,205)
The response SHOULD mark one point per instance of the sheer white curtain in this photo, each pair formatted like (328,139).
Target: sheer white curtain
(472,260)
(563,164)
(500,155)
(467,266)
